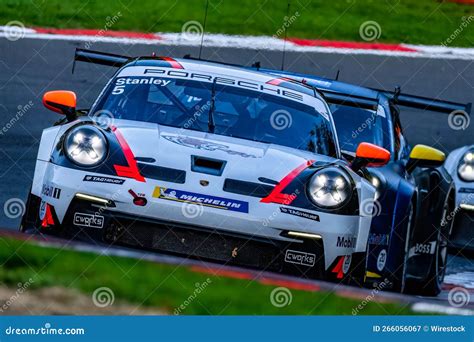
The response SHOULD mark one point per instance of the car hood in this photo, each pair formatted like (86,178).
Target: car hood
(243,159)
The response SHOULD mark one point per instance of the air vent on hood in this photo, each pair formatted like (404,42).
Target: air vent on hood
(162,173)
(247,188)
(209,166)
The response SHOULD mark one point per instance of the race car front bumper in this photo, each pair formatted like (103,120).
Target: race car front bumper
(303,257)
(261,237)
(462,237)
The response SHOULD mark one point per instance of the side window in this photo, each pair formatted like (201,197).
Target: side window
(401,145)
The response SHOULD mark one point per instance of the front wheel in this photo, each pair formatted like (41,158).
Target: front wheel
(30,220)
(432,284)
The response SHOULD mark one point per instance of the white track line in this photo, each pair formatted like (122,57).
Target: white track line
(260,43)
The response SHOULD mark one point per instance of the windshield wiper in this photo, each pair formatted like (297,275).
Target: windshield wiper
(210,124)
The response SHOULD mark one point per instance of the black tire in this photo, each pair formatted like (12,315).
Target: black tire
(432,285)
(30,220)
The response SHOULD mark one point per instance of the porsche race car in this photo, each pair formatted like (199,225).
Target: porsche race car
(208,161)
(460,164)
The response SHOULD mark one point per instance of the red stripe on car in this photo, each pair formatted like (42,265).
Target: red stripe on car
(278,81)
(276,196)
(130,170)
(48,219)
(174,64)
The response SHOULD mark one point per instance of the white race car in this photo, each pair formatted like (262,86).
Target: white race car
(460,164)
(204,160)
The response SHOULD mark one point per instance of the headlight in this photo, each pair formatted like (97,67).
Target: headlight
(85,146)
(466,167)
(378,183)
(329,188)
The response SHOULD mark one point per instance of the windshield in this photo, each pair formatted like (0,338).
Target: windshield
(237,112)
(355,125)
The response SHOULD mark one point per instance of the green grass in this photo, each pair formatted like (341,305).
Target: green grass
(163,286)
(407,21)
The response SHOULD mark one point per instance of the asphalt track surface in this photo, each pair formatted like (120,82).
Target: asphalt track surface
(29,67)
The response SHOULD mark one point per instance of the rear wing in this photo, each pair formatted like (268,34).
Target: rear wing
(425,103)
(102,58)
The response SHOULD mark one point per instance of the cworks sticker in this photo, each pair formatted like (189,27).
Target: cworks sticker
(301,258)
(88,220)
(205,200)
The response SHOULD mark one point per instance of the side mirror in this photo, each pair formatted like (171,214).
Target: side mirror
(370,155)
(425,156)
(62,102)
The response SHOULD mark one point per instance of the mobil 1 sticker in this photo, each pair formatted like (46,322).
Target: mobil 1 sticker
(122,82)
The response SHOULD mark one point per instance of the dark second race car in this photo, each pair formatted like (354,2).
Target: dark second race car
(415,194)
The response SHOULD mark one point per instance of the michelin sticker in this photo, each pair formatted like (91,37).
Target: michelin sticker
(205,200)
